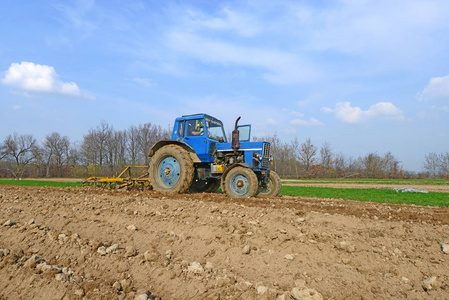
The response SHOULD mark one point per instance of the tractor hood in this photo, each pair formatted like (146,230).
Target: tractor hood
(256,154)
(244,146)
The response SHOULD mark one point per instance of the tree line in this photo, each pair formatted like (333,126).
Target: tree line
(437,165)
(105,151)
(306,160)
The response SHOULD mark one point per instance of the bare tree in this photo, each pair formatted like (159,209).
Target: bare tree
(56,152)
(285,161)
(74,162)
(88,149)
(431,164)
(294,149)
(116,150)
(121,141)
(444,165)
(392,166)
(372,165)
(326,160)
(307,156)
(148,135)
(353,167)
(21,150)
(437,165)
(340,165)
(3,152)
(37,165)
(102,135)
(132,145)
(94,145)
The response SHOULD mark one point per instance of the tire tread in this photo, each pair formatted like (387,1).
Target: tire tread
(185,162)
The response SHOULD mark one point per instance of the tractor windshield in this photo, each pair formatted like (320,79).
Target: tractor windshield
(215,130)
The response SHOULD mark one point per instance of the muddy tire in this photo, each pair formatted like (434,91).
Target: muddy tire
(272,188)
(171,170)
(241,182)
(210,185)
(213,185)
(223,185)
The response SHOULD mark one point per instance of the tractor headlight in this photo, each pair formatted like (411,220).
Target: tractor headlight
(258,156)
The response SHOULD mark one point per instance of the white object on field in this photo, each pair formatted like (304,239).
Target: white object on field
(409,190)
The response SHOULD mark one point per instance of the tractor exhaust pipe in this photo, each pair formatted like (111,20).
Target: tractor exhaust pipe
(236,137)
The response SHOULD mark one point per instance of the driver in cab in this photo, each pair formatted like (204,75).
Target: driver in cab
(195,127)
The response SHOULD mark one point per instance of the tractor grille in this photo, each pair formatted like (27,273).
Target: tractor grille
(266,155)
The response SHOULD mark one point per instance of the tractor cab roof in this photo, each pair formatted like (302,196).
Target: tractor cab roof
(196,116)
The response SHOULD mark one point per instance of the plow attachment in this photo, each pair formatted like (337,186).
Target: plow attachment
(123,181)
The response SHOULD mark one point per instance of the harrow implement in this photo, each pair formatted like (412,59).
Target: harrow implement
(124,180)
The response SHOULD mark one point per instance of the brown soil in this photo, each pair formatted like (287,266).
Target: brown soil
(192,246)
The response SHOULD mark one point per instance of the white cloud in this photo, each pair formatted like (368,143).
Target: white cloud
(346,113)
(280,67)
(17,107)
(438,88)
(290,42)
(292,112)
(311,122)
(20,93)
(401,28)
(31,77)
(327,109)
(76,15)
(228,20)
(444,108)
(144,81)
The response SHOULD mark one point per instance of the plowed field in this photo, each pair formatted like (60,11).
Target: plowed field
(70,243)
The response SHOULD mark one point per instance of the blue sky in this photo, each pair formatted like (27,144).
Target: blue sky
(362,75)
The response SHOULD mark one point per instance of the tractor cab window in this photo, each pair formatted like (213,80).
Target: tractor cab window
(215,131)
(244,132)
(195,128)
(181,128)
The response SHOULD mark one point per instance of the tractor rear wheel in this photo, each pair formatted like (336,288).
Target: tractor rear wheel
(273,186)
(171,170)
(241,182)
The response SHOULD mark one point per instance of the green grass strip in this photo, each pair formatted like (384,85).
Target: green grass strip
(373,195)
(370,181)
(40,183)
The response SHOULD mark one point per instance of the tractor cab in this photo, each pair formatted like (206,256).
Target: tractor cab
(205,134)
(199,125)
(201,132)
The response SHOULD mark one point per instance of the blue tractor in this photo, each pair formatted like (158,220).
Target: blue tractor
(198,158)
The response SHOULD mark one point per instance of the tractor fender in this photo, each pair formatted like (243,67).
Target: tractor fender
(184,145)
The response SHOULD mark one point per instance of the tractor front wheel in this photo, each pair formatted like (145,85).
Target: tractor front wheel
(241,182)
(272,187)
(171,170)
